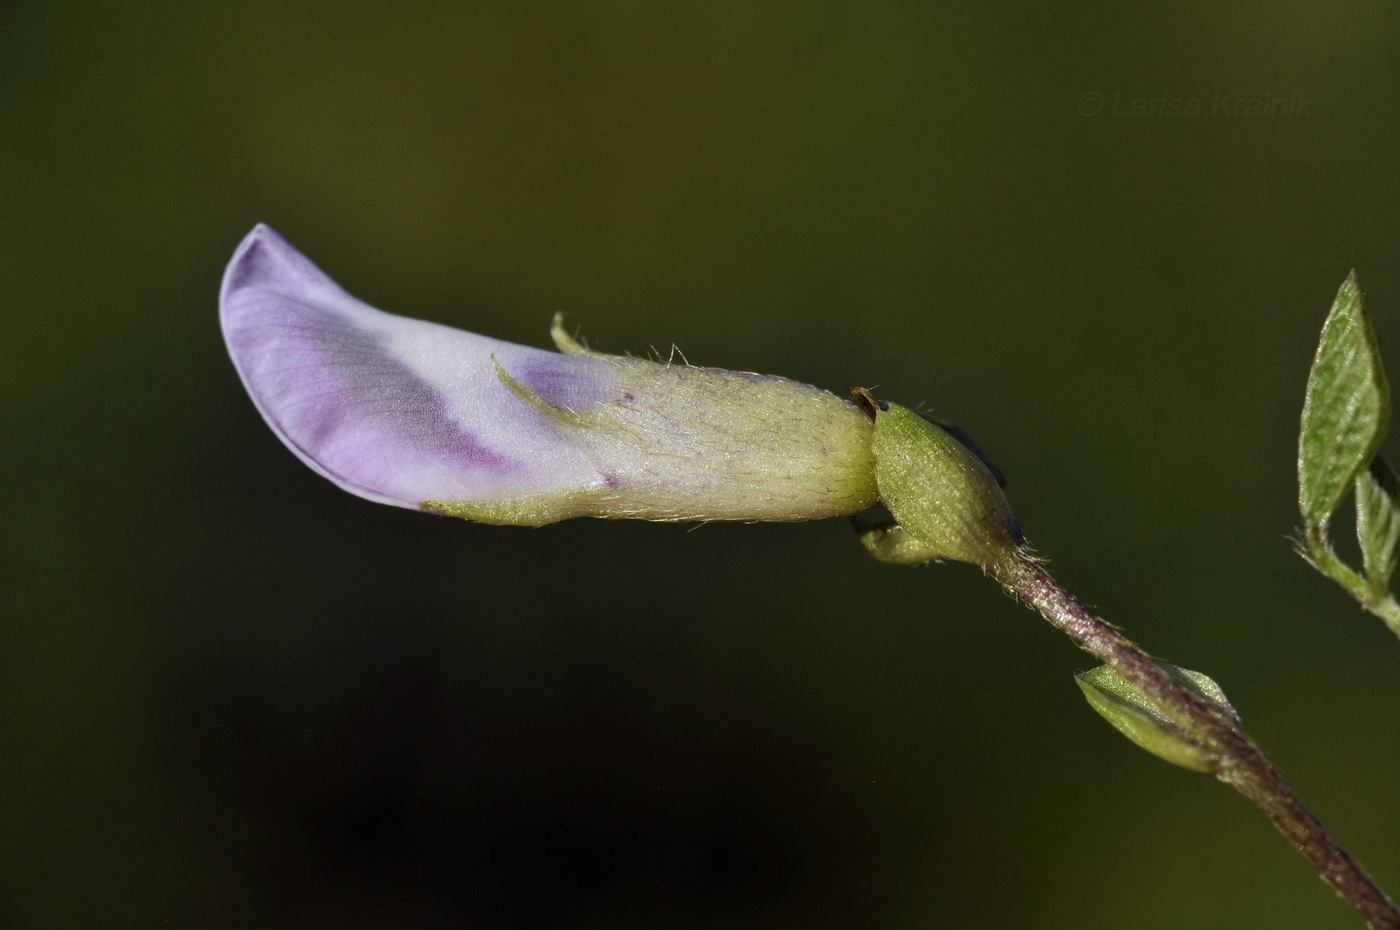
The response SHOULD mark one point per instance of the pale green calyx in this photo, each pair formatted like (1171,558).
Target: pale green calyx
(679,442)
(1138,717)
(947,502)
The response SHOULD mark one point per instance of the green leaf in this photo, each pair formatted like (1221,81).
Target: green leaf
(1137,715)
(1347,410)
(1378,522)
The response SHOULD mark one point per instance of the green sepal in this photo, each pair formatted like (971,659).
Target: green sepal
(567,344)
(892,543)
(1346,412)
(524,511)
(941,492)
(1138,717)
(1378,522)
(560,415)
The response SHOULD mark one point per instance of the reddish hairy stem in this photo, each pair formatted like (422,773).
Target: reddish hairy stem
(1243,766)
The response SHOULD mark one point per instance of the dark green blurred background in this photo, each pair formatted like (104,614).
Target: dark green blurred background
(234,696)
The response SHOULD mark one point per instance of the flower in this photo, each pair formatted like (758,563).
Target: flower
(419,415)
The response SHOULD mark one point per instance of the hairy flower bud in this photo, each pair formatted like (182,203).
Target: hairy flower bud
(406,412)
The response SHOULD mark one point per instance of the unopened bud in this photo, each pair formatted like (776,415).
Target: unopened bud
(1141,719)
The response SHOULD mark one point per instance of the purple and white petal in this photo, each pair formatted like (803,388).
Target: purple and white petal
(393,409)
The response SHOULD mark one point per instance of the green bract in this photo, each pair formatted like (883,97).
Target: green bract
(1141,720)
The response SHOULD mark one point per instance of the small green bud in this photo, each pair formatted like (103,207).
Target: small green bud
(941,492)
(1138,716)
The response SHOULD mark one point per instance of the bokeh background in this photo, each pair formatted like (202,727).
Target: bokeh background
(233,696)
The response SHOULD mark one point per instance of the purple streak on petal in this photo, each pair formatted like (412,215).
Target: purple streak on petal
(345,406)
(378,385)
(393,409)
(559,381)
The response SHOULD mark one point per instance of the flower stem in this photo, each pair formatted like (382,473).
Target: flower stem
(1243,765)
(1318,552)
